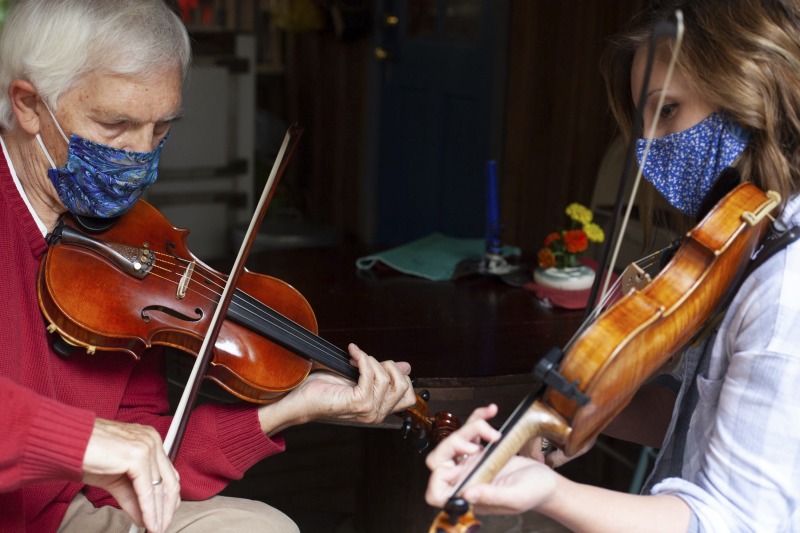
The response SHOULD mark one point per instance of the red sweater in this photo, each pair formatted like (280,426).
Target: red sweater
(48,404)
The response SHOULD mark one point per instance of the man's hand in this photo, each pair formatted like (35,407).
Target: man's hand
(128,461)
(382,388)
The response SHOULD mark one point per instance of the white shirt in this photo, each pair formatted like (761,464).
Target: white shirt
(14,176)
(733,446)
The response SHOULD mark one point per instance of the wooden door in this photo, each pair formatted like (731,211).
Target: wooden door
(437,85)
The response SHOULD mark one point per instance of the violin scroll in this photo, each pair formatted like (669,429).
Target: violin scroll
(457,517)
(420,429)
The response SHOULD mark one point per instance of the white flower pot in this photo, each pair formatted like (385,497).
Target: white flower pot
(569,279)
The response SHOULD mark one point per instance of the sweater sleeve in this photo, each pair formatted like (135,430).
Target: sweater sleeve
(221,441)
(43,439)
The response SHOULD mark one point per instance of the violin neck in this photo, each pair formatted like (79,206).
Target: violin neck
(265,321)
(533,418)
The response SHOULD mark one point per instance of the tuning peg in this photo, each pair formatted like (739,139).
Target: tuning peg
(420,442)
(405,429)
(456,507)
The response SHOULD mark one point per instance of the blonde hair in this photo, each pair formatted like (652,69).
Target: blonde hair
(54,43)
(743,56)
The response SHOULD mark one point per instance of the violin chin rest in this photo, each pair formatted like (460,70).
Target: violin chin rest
(95,224)
(62,347)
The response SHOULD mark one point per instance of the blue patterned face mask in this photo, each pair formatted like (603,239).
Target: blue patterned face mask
(683,166)
(98,180)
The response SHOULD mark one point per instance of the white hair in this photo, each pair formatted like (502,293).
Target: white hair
(54,43)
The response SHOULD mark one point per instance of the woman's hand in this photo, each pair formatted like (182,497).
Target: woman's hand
(520,486)
(549,454)
(453,458)
(128,461)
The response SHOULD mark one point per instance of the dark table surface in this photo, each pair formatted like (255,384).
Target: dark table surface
(468,340)
(476,326)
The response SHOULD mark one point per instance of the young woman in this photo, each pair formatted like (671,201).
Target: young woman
(730,451)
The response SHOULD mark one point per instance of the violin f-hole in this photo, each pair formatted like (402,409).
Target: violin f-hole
(172,313)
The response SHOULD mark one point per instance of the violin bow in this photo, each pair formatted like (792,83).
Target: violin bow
(180,419)
(664,29)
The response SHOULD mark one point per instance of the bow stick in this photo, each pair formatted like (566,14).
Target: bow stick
(181,417)
(664,29)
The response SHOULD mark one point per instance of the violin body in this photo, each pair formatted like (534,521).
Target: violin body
(87,299)
(638,334)
(630,341)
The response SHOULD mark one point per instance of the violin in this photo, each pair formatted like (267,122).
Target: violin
(136,285)
(603,368)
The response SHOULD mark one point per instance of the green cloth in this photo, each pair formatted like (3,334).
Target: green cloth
(434,257)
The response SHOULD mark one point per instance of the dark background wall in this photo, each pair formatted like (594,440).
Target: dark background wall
(557,122)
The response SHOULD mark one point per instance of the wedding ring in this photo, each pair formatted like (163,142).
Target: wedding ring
(157,482)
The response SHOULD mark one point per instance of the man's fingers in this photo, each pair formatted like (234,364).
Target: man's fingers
(122,491)
(401,392)
(128,460)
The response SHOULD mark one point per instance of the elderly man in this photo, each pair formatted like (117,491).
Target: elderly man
(89,91)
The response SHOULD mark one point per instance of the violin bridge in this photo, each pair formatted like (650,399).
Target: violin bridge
(634,278)
(185,279)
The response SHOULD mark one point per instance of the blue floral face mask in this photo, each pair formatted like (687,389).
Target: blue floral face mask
(98,180)
(683,166)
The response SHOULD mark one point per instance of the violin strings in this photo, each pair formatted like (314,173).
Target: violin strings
(599,308)
(278,321)
(270,316)
(266,315)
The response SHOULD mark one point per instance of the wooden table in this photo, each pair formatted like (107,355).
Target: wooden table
(469,342)
(462,338)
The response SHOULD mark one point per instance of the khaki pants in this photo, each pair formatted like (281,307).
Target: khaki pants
(218,514)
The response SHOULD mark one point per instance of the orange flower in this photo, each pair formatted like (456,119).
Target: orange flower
(546,258)
(563,248)
(555,236)
(575,241)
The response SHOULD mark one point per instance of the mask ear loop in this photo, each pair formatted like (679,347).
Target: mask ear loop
(663,29)
(39,135)
(63,135)
(46,153)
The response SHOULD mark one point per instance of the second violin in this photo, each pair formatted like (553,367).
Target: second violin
(137,284)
